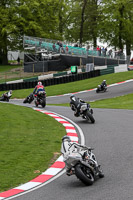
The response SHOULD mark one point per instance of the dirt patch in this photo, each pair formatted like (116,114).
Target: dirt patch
(55,156)
(18,73)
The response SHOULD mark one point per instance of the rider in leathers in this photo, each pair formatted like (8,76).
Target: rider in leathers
(103,84)
(69,147)
(76,104)
(39,87)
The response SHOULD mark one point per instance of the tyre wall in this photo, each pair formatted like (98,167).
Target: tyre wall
(51,81)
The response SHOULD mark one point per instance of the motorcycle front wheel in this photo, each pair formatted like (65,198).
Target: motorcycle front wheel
(43,103)
(97,90)
(84,174)
(90,117)
(36,104)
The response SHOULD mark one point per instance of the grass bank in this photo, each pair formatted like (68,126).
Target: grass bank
(77,85)
(29,142)
(122,102)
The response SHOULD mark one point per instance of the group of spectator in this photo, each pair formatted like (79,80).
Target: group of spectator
(58,47)
(101,51)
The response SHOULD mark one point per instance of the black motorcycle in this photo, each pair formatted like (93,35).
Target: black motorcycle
(82,109)
(6,96)
(29,98)
(101,88)
(40,99)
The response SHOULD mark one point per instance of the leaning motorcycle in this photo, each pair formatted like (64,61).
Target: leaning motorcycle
(101,89)
(85,112)
(40,99)
(29,98)
(6,96)
(84,165)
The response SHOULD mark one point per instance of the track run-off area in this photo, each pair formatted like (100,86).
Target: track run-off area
(112,139)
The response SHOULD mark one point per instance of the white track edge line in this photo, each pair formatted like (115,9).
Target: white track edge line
(60,173)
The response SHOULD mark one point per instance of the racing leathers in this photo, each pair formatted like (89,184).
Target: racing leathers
(38,88)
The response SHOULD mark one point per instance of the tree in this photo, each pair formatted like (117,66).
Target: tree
(38,18)
(6,26)
(83,21)
(116,24)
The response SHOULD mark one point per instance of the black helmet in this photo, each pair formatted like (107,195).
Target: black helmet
(71,96)
(67,138)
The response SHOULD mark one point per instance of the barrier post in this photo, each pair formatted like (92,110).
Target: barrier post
(33,69)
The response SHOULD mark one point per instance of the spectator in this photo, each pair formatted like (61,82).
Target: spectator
(66,49)
(98,50)
(103,51)
(110,53)
(54,48)
(18,60)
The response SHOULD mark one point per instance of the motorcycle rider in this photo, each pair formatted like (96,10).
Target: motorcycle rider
(6,95)
(76,104)
(68,147)
(39,87)
(9,94)
(103,84)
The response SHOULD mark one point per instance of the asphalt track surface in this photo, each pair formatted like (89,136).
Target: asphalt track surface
(113,91)
(112,139)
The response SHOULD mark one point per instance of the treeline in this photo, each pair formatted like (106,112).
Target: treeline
(71,20)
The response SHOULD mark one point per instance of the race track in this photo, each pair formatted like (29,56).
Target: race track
(113,91)
(112,138)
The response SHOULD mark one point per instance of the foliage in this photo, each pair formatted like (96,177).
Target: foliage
(39,18)
(116,25)
(76,20)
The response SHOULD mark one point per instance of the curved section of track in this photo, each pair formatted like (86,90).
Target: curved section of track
(114,90)
(112,138)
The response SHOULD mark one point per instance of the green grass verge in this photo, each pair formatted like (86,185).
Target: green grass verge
(28,140)
(77,85)
(122,102)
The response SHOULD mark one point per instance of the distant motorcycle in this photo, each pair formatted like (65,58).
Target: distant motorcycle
(29,98)
(84,165)
(40,99)
(82,109)
(101,88)
(6,96)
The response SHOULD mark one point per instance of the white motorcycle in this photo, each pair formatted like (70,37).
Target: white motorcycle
(6,96)
(82,162)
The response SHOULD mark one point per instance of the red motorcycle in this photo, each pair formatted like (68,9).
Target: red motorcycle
(40,99)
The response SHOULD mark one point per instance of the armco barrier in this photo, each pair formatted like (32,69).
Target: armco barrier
(60,74)
(50,81)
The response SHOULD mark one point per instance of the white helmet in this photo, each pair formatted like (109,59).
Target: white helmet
(39,83)
(104,80)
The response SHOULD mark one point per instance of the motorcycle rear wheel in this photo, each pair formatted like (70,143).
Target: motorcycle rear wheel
(90,117)
(85,177)
(25,101)
(105,89)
